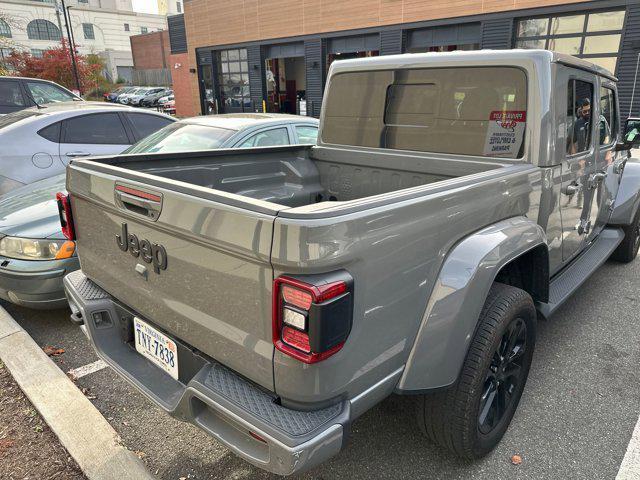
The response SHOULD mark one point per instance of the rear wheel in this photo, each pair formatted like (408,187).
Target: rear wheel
(628,248)
(471,417)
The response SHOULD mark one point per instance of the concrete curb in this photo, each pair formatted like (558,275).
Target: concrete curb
(80,427)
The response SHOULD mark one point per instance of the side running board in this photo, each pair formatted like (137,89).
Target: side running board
(564,284)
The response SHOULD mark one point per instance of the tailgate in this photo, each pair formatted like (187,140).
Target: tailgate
(213,291)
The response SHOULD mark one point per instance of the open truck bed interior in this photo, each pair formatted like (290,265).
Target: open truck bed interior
(296,176)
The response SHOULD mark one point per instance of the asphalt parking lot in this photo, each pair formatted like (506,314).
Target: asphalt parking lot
(575,420)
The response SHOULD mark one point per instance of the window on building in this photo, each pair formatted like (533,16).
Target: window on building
(4,53)
(89,34)
(144,30)
(5,29)
(126,27)
(233,74)
(579,101)
(178,7)
(83,1)
(37,52)
(478,111)
(43,30)
(593,36)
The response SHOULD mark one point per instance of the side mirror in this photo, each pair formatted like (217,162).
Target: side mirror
(631,135)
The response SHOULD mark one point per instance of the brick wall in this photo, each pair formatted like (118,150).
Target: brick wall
(187,103)
(151,50)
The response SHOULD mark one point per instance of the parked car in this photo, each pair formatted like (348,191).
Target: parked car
(125,97)
(272,296)
(39,142)
(230,130)
(152,100)
(113,96)
(169,107)
(34,255)
(138,97)
(165,99)
(18,93)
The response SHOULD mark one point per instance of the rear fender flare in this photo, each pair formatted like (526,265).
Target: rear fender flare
(628,197)
(452,312)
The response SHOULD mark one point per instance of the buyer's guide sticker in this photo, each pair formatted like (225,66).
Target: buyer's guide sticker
(505,133)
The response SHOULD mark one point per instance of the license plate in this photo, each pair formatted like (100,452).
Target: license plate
(156,346)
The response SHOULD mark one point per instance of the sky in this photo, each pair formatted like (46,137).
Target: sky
(145,6)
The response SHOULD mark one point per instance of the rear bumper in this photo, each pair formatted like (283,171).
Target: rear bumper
(241,415)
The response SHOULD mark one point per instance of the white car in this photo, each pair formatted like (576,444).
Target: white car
(124,98)
(38,143)
(137,98)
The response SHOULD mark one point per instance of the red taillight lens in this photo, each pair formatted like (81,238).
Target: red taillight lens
(311,321)
(66,219)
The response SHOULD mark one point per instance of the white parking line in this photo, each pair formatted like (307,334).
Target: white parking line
(630,467)
(86,369)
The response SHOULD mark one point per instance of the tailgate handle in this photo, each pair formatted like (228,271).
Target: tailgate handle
(139,201)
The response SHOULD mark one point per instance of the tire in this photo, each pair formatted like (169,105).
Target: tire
(453,418)
(627,251)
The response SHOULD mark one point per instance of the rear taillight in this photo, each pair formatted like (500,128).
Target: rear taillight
(312,314)
(66,219)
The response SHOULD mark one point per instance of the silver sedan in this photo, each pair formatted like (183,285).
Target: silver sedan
(38,143)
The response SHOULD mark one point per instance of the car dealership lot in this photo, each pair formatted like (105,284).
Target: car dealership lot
(576,417)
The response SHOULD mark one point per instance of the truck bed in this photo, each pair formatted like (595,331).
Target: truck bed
(298,176)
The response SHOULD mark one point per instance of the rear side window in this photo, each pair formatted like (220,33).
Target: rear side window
(579,101)
(268,138)
(10,94)
(307,134)
(97,129)
(51,133)
(477,111)
(145,125)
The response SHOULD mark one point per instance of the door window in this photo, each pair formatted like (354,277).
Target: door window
(47,93)
(97,129)
(307,134)
(607,127)
(267,138)
(579,100)
(145,125)
(10,95)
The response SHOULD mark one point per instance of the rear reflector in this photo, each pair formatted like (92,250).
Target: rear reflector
(296,338)
(138,193)
(66,218)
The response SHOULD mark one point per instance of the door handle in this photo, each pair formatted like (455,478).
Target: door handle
(596,178)
(77,154)
(571,189)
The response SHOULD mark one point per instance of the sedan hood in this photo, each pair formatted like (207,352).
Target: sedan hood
(32,211)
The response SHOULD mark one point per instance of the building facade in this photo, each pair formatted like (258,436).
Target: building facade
(275,54)
(151,57)
(98,26)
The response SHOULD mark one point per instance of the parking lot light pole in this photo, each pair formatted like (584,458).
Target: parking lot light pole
(67,22)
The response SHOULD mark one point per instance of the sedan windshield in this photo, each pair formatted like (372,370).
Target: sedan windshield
(182,137)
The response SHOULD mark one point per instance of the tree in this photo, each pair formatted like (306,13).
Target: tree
(56,65)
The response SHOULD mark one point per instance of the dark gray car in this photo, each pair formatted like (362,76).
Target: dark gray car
(34,255)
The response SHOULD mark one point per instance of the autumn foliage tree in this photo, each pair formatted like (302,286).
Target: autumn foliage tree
(56,65)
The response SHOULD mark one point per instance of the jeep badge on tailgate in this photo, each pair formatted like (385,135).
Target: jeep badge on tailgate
(150,253)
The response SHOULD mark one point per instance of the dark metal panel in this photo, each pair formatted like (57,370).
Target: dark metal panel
(257,84)
(391,42)
(314,52)
(497,34)
(356,43)
(628,62)
(177,33)
(444,35)
(284,50)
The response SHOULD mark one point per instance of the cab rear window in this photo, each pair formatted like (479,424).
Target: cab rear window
(478,111)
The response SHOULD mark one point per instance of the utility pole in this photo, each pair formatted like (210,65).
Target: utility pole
(72,48)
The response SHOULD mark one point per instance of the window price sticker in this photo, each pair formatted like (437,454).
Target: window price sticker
(505,133)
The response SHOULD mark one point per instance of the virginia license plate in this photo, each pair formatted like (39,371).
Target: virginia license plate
(156,346)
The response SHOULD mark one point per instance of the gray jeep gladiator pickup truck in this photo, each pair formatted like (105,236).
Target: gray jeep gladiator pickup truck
(271,296)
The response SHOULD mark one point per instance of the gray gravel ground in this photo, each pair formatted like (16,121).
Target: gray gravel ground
(574,422)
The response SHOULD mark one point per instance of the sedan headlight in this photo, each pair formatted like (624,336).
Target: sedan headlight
(40,249)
